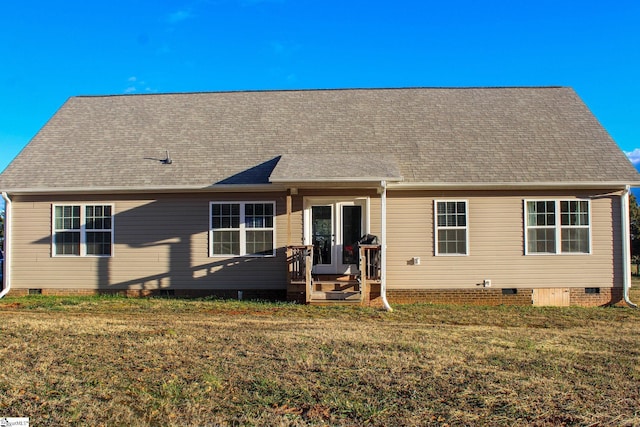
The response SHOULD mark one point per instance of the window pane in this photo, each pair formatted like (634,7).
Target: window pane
(98,217)
(67,218)
(259,242)
(67,243)
(351,233)
(322,233)
(99,243)
(226,242)
(575,240)
(575,212)
(541,240)
(541,213)
(451,214)
(452,241)
(225,215)
(257,216)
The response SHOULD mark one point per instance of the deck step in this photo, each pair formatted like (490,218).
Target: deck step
(354,296)
(333,303)
(335,286)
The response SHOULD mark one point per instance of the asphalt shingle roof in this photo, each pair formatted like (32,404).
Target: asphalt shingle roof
(419,135)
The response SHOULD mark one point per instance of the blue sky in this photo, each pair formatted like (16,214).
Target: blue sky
(50,51)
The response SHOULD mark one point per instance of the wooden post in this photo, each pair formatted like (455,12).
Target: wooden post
(307,274)
(289,217)
(364,283)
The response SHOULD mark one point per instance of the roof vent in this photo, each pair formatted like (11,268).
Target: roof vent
(167,160)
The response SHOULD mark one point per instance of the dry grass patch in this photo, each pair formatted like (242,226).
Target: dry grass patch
(105,361)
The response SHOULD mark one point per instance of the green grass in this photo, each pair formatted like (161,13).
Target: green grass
(119,361)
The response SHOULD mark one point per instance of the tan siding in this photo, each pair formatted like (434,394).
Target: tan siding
(496,245)
(158,243)
(164,242)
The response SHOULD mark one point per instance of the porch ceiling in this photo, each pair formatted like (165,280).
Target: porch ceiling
(339,167)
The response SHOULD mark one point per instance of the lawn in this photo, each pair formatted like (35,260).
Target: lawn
(117,361)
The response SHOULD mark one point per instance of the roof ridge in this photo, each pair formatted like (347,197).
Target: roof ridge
(359,89)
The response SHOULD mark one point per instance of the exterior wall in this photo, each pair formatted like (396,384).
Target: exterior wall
(496,244)
(159,243)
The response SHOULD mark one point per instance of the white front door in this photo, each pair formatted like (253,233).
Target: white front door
(333,227)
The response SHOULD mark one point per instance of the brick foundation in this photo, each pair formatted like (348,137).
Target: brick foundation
(605,297)
(247,294)
(482,296)
(595,297)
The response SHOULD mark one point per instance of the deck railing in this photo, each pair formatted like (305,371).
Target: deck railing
(370,271)
(370,262)
(300,259)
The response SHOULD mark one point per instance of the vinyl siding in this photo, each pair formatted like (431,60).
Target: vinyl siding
(163,242)
(496,244)
(158,243)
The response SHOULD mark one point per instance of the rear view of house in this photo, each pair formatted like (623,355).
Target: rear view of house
(471,195)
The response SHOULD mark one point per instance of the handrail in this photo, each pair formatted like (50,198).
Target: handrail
(370,261)
(300,259)
(370,268)
(298,265)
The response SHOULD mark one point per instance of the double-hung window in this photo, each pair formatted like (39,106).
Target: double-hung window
(451,229)
(557,227)
(242,228)
(82,230)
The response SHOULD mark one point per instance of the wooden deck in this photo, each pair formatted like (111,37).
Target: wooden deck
(324,289)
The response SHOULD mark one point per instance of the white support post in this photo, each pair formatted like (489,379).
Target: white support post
(383,246)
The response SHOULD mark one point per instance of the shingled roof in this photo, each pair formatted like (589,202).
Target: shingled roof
(430,136)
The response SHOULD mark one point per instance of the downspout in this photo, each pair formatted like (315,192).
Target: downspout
(626,248)
(6,274)
(383,246)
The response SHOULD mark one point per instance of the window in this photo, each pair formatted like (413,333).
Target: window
(81,230)
(242,228)
(451,227)
(557,226)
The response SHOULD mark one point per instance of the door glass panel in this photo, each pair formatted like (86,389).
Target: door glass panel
(321,234)
(351,232)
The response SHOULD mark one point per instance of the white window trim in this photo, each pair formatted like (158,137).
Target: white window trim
(83,230)
(558,228)
(242,229)
(436,227)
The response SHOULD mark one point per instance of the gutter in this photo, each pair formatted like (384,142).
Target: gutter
(383,258)
(434,186)
(151,189)
(393,183)
(626,247)
(6,274)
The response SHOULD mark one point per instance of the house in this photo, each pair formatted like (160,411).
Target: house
(474,195)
